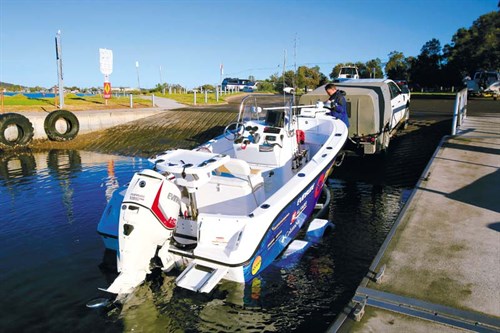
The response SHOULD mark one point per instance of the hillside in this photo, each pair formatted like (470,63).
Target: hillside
(11,86)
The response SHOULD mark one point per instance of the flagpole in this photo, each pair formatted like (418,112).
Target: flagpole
(221,70)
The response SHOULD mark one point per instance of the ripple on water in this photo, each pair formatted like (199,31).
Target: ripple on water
(52,261)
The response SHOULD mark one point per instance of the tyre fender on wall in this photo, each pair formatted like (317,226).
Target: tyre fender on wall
(63,117)
(8,122)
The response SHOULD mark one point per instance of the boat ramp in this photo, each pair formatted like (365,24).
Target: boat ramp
(439,268)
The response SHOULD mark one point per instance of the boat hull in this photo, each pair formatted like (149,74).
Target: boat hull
(286,225)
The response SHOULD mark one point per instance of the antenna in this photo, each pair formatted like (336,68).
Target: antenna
(284,70)
(294,61)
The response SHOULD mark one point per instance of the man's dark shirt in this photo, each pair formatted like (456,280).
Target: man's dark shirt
(339,107)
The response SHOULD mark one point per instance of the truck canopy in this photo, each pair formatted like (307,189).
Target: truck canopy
(368,104)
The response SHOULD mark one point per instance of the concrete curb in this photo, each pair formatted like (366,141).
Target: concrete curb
(92,120)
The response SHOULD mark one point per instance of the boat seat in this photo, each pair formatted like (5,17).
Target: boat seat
(242,170)
(234,181)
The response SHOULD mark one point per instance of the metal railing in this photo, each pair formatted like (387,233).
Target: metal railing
(460,110)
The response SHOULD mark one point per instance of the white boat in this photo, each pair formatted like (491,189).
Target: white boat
(229,208)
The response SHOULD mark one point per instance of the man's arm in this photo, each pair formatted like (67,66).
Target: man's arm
(337,108)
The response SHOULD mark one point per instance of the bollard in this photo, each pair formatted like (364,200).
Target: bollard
(195,97)
(459,110)
(206,97)
(153,99)
(217,94)
(131,101)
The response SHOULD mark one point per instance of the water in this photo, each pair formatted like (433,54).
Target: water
(52,261)
(38,95)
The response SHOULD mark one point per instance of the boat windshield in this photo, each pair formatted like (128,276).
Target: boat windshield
(269,110)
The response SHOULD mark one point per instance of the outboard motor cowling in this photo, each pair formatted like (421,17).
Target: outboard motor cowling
(148,215)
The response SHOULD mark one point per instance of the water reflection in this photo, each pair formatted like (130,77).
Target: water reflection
(52,259)
(49,249)
(16,165)
(111,182)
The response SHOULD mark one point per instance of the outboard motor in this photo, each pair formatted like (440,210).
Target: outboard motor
(148,215)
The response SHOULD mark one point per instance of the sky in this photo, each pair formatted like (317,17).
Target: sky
(186,41)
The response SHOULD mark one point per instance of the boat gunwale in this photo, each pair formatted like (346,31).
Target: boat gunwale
(261,212)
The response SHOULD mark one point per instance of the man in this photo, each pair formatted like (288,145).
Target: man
(338,104)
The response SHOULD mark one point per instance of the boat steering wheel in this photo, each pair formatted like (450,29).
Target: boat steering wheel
(234,130)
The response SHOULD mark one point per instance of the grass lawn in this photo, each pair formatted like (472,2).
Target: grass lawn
(72,102)
(188,99)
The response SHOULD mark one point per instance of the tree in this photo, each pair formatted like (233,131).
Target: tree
(36,89)
(364,72)
(266,85)
(425,70)
(374,66)
(397,66)
(475,48)
(207,87)
(431,48)
(161,87)
(288,81)
(309,77)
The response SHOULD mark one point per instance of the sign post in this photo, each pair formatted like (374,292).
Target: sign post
(138,81)
(59,69)
(107,91)
(3,91)
(106,67)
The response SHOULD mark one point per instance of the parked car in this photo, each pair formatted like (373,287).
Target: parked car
(250,87)
(376,109)
(484,82)
(401,83)
(236,84)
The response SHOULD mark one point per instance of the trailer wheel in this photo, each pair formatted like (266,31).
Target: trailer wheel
(70,121)
(10,122)
(385,144)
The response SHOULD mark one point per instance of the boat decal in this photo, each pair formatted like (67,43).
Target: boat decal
(287,225)
(273,241)
(319,184)
(300,211)
(167,222)
(219,240)
(288,233)
(256,265)
(305,195)
(277,225)
(174,198)
(268,254)
(136,197)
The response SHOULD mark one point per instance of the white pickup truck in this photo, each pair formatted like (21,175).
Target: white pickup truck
(348,72)
(376,109)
